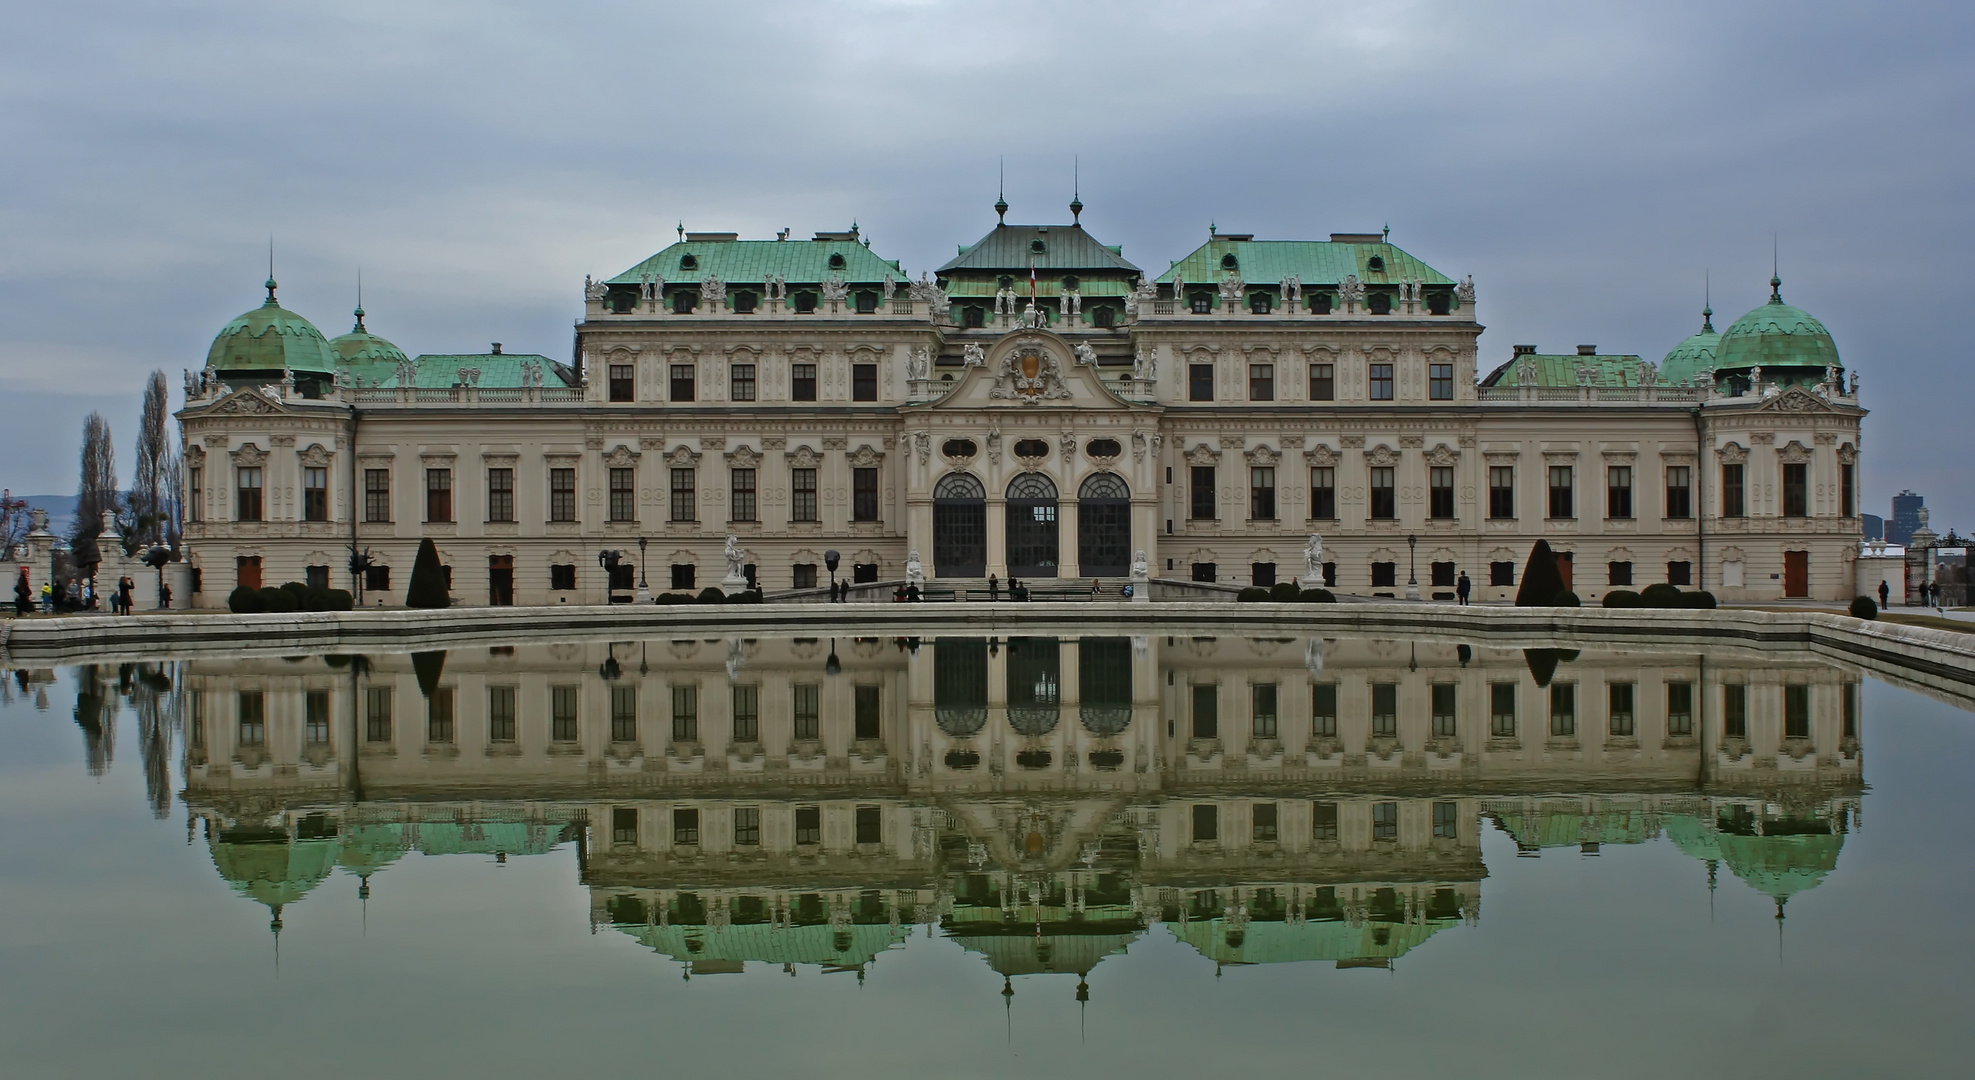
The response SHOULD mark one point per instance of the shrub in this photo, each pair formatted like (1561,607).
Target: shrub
(1698,599)
(428,666)
(1621,598)
(1316,596)
(1660,595)
(1284,592)
(1253,594)
(676,598)
(1864,607)
(245,601)
(712,595)
(1540,580)
(331,600)
(278,600)
(299,592)
(428,579)
(1566,598)
(746,596)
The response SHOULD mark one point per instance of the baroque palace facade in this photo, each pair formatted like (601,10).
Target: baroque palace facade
(1038,407)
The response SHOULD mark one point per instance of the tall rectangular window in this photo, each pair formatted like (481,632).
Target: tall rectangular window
(685,495)
(1207,711)
(253,718)
(1385,821)
(863,382)
(621,383)
(1501,492)
(1440,382)
(438,495)
(1323,493)
(1502,710)
(1796,490)
(1261,382)
(1734,711)
(377,495)
(1563,710)
(562,494)
(802,495)
(562,713)
(747,826)
(501,714)
(1440,491)
(624,825)
(1381,382)
(867,825)
(747,713)
(247,495)
(1679,710)
(685,714)
(682,382)
(1679,572)
(500,494)
(195,494)
(1733,503)
(1385,503)
(1618,573)
(867,722)
(1323,710)
(1618,491)
(1200,382)
(1206,823)
(806,706)
(1385,710)
(439,716)
(1263,818)
(1446,821)
(1202,493)
(377,714)
(740,382)
(1619,697)
(624,494)
(808,825)
(1796,712)
(1444,724)
(1561,504)
(1323,382)
(863,494)
(1847,490)
(315,719)
(802,382)
(1262,493)
(743,494)
(315,494)
(685,826)
(1262,708)
(1323,821)
(623,714)
(1679,491)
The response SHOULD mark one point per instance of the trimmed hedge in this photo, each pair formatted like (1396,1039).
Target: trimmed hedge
(1253,594)
(1864,607)
(1317,596)
(427,588)
(1541,581)
(279,601)
(1621,598)
(245,601)
(1284,592)
(712,595)
(1566,598)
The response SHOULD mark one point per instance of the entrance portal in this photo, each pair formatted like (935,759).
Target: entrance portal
(1104,526)
(959,527)
(1796,574)
(1031,511)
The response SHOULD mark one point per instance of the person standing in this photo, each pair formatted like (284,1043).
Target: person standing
(994,587)
(1462,587)
(23,595)
(126,592)
(1885,592)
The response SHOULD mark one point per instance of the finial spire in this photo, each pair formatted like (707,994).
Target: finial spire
(270,272)
(1707,304)
(682,231)
(1001,196)
(1385,235)
(359,312)
(1076,191)
(1775,273)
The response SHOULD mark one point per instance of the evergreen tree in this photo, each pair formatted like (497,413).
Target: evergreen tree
(151,478)
(1540,580)
(428,579)
(97,490)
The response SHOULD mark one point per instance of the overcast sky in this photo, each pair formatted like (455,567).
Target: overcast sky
(1591,166)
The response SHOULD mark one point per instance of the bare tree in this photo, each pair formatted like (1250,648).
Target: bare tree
(147,483)
(97,491)
(14,522)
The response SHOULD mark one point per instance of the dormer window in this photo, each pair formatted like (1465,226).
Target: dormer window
(1258,303)
(1070,283)
(805,303)
(1440,303)
(973,317)
(1005,281)
(1203,303)
(867,302)
(1380,303)
(837,262)
(1103,317)
(1037,247)
(689,262)
(1320,303)
(1229,262)
(683,301)
(744,302)
(1376,264)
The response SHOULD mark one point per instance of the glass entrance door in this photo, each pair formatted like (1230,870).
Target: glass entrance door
(1031,513)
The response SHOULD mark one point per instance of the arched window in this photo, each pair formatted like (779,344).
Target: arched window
(1035,685)
(1104,678)
(688,262)
(1229,262)
(960,672)
(836,262)
(1104,504)
(959,527)
(1031,526)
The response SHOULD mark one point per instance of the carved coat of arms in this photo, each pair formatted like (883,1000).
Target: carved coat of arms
(1030,373)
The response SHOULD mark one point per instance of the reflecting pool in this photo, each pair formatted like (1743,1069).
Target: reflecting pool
(1105,856)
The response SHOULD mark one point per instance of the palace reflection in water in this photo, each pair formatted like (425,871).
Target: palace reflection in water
(1045,802)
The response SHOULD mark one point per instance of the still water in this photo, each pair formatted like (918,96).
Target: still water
(983,857)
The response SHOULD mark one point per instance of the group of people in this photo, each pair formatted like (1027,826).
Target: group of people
(79,594)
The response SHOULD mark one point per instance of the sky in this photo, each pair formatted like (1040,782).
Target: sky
(1596,168)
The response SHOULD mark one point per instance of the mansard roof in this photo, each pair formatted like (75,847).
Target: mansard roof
(1008,249)
(439,371)
(737,261)
(1560,369)
(1314,262)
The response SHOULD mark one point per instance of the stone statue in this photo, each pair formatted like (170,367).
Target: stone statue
(594,290)
(972,356)
(1313,656)
(923,443)
(915,571)
(1145,293)
(1465,290)
(1085,354)
(736,563)
(1352,291)
(644,285)
(713,292)
(890,289)
(191,384)
(1231,286)
(1755,378)
(1854,384)
(1004,300)
(1141,567)
(1313,561)
(994,445)
(1034,319)
(1831,377)
(834,289)
(1076,301)
(1648,374)
(1069,442)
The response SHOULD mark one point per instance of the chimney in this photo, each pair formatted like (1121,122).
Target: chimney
(1587,350)
(1525,350)
(497,348)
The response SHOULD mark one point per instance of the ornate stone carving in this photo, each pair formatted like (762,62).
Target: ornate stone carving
(1351,291)
(1441,455)
(802,457)
(621,457)
(249,456)
(922,444)
(1068,442)
(683,457)
(1085,355)
(314,456)
(246,403)
(1352,442)
(864,457)
(1411,442)
(1030,373)
(1465,290)
(1732,454)
(834,289)
(972,356)
(1138,446)
(1320,455)
(1795,453)
(1202,454)
(1263,456)
(741,457)
(1381,455)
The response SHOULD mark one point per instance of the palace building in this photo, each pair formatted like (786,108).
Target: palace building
(1037,407)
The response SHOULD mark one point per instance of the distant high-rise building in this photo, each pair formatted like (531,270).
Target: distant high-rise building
(1906,517)
(1874,526)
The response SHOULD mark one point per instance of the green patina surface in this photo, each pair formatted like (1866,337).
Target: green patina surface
(1776,335)
(768,943)
(1317,263)
(1560,370)
(752,262)
(1262,942)
(440,371)
(362,346)
(1694,356)
(271,338)
(1009,249)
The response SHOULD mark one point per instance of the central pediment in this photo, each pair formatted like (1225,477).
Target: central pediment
(1030,369)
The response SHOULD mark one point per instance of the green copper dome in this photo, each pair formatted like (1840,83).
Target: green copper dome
(1776,335)
(271,338)
(1694,356)
(362,346)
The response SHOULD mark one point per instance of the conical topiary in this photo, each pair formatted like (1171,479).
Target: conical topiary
(428,579)
(428,666)
(1540,581)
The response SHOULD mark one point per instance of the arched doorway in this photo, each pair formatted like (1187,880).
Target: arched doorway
(959,527)
(1031,512)
(1104,526)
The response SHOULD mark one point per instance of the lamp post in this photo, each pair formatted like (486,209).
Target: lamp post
(831,560)
(1412,567)
(832,665)
(644,581)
